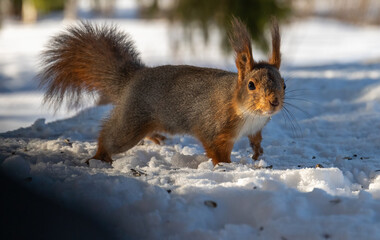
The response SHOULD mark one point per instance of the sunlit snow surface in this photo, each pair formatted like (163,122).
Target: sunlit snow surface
(173,191)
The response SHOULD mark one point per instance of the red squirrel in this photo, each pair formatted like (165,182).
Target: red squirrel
(215,106)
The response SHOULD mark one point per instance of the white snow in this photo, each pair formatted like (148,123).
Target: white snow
(332,74)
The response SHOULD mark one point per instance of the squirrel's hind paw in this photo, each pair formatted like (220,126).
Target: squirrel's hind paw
(157,138)
(105,159)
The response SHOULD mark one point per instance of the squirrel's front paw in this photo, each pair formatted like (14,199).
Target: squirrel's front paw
(258,152)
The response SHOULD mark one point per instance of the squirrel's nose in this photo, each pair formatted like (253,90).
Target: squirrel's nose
(274,102)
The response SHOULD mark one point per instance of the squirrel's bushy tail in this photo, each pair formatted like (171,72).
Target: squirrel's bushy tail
(87,58)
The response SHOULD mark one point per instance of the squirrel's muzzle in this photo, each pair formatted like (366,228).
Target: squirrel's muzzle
(274,102)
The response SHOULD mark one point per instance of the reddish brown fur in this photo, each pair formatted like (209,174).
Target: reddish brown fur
(87,58)
(156,138)
(255,142)
(275,59)
(101,153)
(241,42)
(220,147)
(245,64)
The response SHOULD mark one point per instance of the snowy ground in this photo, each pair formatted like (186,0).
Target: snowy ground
(173,191)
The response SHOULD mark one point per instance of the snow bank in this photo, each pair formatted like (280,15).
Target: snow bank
(174,192)
(318,178)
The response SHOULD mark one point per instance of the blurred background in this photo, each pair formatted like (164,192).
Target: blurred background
(180,32)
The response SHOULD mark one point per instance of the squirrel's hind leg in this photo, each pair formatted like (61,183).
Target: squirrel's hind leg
(101,153)
(156,138)
(119,134)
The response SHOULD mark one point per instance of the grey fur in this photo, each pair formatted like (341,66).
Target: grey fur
(203,102)
(180,99)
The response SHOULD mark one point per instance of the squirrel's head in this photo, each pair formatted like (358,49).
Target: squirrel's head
(260,87)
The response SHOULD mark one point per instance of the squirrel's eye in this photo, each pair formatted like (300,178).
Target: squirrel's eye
(284,86)
(251,86)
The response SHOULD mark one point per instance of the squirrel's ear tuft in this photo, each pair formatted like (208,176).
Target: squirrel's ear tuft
(275,59)
(241,42)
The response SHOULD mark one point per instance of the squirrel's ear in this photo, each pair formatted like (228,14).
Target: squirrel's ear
(275,59)
(241,42)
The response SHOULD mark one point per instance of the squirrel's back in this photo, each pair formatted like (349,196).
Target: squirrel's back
(182,96)
(87,58)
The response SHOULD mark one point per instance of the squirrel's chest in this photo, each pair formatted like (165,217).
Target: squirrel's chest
(251,124)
